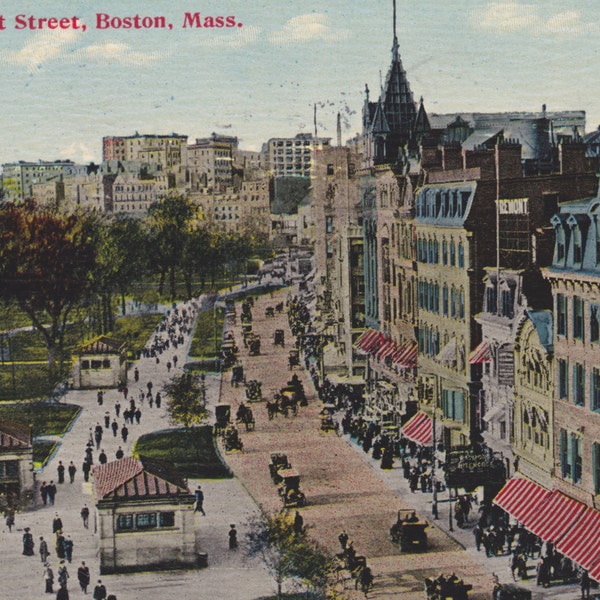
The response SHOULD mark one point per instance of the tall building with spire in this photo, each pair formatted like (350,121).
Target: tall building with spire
(389,122)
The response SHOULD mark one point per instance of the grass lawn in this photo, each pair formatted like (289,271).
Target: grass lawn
(45,418)
(42,452)
(208,334)
(24,382)
(136,330)
(193,454)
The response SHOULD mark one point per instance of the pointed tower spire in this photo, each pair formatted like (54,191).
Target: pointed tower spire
(339,130)
(395,46)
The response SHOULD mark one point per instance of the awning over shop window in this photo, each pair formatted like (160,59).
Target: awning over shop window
(406,355)
(448,353)
(496,413)
(419,429)
(521,498)
(386,348)
(481,354)
(581,543)
(555,516)
(367,340)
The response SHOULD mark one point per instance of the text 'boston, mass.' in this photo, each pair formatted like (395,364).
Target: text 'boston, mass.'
(189,20)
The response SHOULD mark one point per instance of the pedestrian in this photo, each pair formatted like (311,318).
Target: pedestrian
(51,490)
(68,546)
(61,472)
(298,524)
(63,592)
(60,544)
(44,552)
(117,408)
(72,470)
(585,584)
(57,523)
(233,543)
(149,385)
(106,419)
(138,416)
(10,519)
(119,453)
(86,467)
(48,578)
(102,458)
(28,543)
(98,435)
(85,515)
(158,400)
(124,433)
(100,397)
(115,427)
(63,574)
(83,576)
(99,591)
(199,494)
(89,455)
(44,493)
(136,375)
(168,366)
(175,360)
(478,534)
(343,538)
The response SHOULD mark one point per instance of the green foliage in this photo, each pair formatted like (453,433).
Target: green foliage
(136,330)
(25,382)
(187,400)
(288,555)
(45,418)
(208,334)
(174,446)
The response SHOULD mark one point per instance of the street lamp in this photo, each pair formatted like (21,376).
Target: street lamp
(434,504)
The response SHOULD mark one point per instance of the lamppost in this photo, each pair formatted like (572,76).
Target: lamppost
(434,504)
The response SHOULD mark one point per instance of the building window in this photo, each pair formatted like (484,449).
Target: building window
(445,301)
(595,390)
(453,406)
(328,224)
(461,256)
(124,522)
(166,519)
(444,252)
(579,384)
(85,364)
(594,323)
(563,379)
(561,314)
(145,520)
(490,300)
(596,466)
(452,254)
(578,328)
(330,169)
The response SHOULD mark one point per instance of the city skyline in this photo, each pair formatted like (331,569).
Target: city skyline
(66,89)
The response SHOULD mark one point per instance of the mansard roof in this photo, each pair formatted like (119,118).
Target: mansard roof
(544,326)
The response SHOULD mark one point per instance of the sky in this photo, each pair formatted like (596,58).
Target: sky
(61,91)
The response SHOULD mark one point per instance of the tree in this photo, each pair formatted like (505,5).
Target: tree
(288,555)
(47,263)
(187,400)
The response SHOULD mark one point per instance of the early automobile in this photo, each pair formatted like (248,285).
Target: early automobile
(279,462)
(289,488)
(279,338)
(293,359)
(409,532)
(222,417)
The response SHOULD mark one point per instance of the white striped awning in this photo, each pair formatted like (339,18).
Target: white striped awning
(419,429)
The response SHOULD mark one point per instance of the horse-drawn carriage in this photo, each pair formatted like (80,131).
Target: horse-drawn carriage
(327,421)
(254,345)
(222,418)
(289,488)
(269,312)
(279,338)
(279,462)
(448,587)
(237,375)
(232,439)
(409,532)
(279,307)
(293,359)
(244,415)
(253,390)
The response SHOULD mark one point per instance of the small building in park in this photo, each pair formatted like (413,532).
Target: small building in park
(145,516)
(102,363)
(17,481)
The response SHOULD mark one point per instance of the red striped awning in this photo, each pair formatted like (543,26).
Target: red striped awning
(374,342)
(521,498)
(406,355)
(419,429)
(481,354)
(581,543)
(555,516)
(387,347)
(366,339)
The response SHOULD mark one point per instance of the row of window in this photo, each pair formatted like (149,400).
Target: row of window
(428,251)
(453,300)
(578,318)
(448,204)
(576,392)
(144,521)
(95,364)
(507,302)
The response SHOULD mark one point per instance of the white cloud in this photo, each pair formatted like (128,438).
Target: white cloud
(512,16)
(78,152)
(64,45)
(111,52)
(307,28)
(236,38)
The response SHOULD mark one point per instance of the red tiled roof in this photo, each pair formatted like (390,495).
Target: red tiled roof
(102,345)
(14,434)
(137,478)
